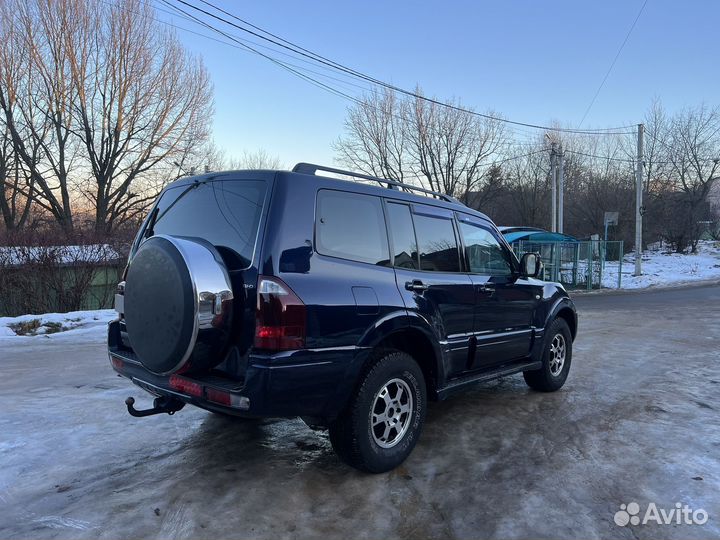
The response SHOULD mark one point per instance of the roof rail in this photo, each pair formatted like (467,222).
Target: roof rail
(311,168)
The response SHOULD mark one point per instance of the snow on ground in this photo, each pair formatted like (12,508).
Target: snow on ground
(52,324)
(661,267)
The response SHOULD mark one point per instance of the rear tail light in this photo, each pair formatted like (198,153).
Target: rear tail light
(117,363)
(226,398)
(221,397)
(181,384)
(280,318)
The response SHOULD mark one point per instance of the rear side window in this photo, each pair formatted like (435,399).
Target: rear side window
(226,213)
(351,226)
(403,236)
(437,243)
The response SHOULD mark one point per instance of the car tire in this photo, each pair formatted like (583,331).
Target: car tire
(556,359)
(382,423)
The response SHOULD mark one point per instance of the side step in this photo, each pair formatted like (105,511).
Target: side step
(456,385)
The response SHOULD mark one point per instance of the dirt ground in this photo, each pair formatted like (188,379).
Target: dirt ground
(638,421)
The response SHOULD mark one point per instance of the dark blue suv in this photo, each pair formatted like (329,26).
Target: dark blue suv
(346,303)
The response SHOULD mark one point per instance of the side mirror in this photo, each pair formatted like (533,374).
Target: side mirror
(530,265)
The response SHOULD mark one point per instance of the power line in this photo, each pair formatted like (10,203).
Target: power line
(283,43)
(273,60)
(520,143)
(612,65)
(629,160)
(607,158)
(182,14)
(242,44)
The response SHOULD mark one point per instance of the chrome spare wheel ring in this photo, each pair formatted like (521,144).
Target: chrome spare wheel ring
(557,354)
(391,413)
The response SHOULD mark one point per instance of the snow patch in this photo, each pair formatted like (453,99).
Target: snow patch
(56,324)
(662,268)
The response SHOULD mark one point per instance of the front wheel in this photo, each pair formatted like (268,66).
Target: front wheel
(383,420)
(557,356)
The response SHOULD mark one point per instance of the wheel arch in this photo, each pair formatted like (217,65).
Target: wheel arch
(565,309)
(412,335)
(570,318)
(419,346)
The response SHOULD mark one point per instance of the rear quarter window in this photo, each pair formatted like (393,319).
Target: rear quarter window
(351,226)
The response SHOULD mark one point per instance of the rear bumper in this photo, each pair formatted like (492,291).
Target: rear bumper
(314,383)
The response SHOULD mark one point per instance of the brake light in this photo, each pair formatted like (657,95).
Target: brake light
(218,396)
(117,363)
(186,386)
(280,318)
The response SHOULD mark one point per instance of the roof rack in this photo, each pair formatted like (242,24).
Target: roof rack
(311,168)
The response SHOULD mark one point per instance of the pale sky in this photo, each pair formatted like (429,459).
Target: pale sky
(531,61)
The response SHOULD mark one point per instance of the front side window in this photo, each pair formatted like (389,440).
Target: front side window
(437,244)
(351,226)
(485,254)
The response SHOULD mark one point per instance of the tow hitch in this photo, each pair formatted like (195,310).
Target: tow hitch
(161,405)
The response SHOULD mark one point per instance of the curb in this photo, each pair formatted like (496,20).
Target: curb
(651,288)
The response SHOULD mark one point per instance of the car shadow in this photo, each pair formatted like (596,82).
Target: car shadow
(237,444)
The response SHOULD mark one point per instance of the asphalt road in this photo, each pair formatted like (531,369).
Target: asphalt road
(638,421)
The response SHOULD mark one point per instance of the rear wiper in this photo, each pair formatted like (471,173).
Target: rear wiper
(150,229)
(156,216)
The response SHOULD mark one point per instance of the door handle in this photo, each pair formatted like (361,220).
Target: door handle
(487,287)
(416,285)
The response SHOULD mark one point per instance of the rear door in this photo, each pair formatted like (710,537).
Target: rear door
(427,265)
(505,304)
(225,210)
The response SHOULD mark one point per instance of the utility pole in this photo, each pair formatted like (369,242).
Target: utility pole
(553,186)
(561,190)
(638,200)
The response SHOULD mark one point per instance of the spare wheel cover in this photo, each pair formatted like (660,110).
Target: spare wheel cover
(174,288)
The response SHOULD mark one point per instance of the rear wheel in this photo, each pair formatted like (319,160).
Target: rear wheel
(382,423)
(557,356)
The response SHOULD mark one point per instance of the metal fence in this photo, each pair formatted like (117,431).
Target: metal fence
(591,264)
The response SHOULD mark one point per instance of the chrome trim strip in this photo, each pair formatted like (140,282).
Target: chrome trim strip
(292,365)
(508,333)
(342,348)
(486,334)
(289,354)
(489,342)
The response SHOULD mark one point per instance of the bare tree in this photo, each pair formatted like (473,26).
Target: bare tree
(15,184)
(259,159)
(694,158)
(528,184)
(376,140)
(444,148)
(99,101)
(141,103)
(451,147)
(35,97)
